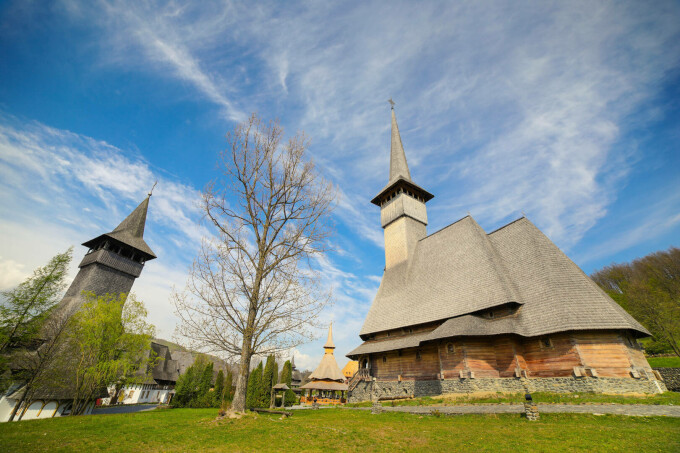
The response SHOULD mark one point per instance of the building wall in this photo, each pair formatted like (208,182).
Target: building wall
(369,390)
(142,393)
(38,409)
(401,237)
(100,280)
(595,354)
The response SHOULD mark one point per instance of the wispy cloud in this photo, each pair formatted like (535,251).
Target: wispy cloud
(504,107)
(59,188)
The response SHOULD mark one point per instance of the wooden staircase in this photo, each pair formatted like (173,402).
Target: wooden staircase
(364,374)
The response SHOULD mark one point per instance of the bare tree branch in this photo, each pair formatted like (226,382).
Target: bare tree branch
(252,290)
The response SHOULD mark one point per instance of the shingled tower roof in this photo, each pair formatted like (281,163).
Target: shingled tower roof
(130,231)
(328,369)
(398,165)
(399,172)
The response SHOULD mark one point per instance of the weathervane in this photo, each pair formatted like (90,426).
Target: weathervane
(391,103)
(152,187)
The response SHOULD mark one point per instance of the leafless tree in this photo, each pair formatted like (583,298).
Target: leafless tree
(253,289)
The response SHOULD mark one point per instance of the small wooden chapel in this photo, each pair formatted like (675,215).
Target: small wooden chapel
(463,310)
(327,383)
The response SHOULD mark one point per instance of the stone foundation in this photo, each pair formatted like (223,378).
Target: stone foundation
(365,391)
(671,377)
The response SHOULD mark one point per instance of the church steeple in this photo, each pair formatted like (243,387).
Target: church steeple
(398,164)
(400,176)
(402,205)
(114,260)
(129,233)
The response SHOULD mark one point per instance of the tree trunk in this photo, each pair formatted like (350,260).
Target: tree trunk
(239,402)
(21,401)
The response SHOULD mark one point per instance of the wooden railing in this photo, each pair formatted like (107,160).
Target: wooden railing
(364,374)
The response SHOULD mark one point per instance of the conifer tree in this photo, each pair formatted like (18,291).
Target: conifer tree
(286,373)
(289,397)
(204,398)
(23,311)
(183,388)
(228,386)
(187,388)
(218,394)
(268,381)
(254,395)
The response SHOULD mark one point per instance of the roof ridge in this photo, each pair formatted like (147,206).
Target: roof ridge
(443,228)
(510,223)
(497,263)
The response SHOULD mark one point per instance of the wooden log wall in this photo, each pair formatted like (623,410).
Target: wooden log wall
(406,364)
(610,354)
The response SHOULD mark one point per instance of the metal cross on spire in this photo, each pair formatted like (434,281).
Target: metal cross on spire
(391,103)
(152,187)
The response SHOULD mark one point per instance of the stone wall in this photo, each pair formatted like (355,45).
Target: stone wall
(394,389)
(671,377)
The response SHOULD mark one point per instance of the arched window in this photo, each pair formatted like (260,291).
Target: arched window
(450,348)
(384,359)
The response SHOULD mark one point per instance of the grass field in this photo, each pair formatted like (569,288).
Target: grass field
(668,398)
(341,430)
(664,362)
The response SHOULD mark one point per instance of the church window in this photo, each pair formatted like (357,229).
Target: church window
(384,359)
(491,315)
(546,343)
(450,348)
(399,353)
(418,355)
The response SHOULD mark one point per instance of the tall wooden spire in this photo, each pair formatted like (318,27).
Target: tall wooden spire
(398,164)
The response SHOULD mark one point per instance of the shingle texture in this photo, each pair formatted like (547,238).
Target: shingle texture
(461,270)
(398,165)
(131,231)
(328,368)
(391,344)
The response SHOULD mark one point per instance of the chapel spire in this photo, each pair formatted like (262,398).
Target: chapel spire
(329,342)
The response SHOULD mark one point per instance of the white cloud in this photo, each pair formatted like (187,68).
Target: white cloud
(11,273)
(64,188)
(503,106)
(539,91)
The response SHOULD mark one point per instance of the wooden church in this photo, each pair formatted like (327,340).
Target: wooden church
(463,310)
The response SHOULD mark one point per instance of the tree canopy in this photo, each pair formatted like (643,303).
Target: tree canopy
(23,309)
(649,289)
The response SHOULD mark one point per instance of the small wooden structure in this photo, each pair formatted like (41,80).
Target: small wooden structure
(327,385)
(280,387)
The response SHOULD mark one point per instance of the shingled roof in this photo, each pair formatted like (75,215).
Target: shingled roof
(328,369)
(131,231)
(461,270)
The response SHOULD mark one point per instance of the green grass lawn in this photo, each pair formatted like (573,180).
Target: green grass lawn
(664,362)
(341,430)
(668,398)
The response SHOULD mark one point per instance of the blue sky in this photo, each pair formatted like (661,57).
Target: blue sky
(566,111)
